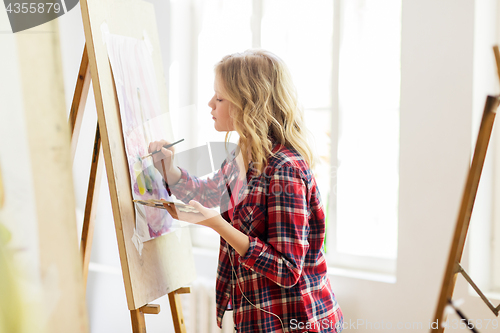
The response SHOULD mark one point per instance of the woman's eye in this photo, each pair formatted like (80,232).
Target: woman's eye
(219,100)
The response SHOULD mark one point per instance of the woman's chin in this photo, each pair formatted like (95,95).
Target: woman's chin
(218,129)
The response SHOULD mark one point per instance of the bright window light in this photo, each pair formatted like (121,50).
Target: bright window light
(368,147)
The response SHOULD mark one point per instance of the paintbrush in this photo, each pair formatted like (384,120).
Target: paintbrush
(165,146)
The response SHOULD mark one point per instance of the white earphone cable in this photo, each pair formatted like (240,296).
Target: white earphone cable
(236,279)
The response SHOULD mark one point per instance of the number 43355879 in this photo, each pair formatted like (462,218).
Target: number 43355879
(33,8)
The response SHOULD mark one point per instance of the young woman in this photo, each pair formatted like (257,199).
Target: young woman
(272,271)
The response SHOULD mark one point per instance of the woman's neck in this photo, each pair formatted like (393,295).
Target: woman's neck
(241,164)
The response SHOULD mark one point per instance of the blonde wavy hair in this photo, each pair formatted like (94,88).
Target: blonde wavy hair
(264,105)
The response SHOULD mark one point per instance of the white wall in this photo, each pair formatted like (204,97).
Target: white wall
(437,99)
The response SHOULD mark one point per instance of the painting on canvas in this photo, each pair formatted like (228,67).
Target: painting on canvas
(141,117)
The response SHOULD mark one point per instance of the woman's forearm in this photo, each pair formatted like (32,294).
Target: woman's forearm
(238,240)
(172,176)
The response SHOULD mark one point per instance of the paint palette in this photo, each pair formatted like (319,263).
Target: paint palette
(160,204)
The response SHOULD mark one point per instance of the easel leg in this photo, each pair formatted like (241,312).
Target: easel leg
(91,205)
(79,101)
(138,322)
(75,123)
(137,316)
(176,308)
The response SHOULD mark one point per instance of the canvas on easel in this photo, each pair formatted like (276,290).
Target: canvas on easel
(166,263)
(143,121)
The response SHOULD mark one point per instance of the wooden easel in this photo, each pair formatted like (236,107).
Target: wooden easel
(138,301)
(458,242)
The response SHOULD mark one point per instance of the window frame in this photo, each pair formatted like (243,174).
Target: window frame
(336,258)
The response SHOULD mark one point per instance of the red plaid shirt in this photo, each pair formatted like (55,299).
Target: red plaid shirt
(284,271)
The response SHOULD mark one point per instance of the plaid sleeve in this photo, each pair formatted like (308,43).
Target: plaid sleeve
(281,258)
(206,191)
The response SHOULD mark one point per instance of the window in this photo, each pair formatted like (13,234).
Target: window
(366,190)
(355,134)
(483,238)
(484,228)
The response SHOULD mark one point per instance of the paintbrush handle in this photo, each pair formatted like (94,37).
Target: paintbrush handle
(165,146)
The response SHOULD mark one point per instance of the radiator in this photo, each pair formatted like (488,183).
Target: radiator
(198,308)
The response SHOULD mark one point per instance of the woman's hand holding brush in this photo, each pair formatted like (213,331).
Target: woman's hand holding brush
(163,160)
